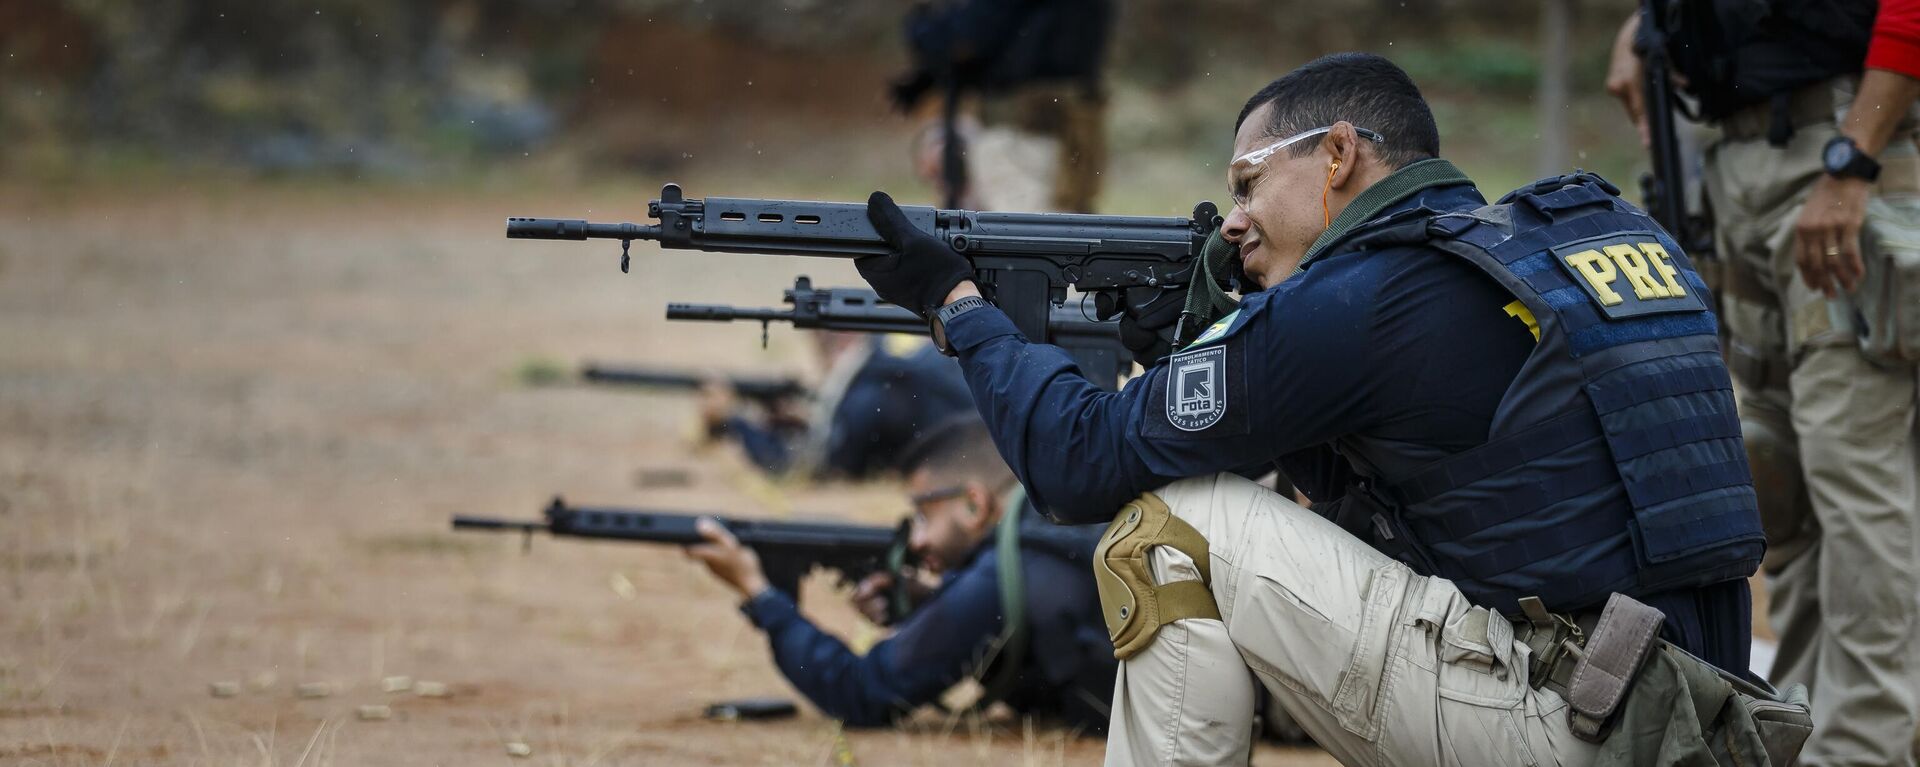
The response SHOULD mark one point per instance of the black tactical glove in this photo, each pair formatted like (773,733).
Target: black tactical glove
(920,271)
(1149,317)
(1146,325)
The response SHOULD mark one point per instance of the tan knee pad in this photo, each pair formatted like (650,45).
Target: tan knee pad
(1133,605)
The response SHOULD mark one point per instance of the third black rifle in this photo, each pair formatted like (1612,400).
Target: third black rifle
(787,550)
(767,390)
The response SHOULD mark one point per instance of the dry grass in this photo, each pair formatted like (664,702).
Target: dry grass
(235,420)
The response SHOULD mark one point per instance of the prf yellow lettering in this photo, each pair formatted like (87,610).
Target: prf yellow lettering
(1634,266)
(1520,312)
(1661,261)
(1599,271)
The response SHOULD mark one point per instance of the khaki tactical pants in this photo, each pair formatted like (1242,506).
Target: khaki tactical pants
(1042,148)
(1380,666)
(1832,440)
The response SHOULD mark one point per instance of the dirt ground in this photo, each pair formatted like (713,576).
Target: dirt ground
(234,422)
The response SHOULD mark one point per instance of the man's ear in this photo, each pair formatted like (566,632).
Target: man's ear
(1343,147)
(981,508)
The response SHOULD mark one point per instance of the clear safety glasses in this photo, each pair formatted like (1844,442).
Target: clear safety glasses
(924,500)
(1258,156)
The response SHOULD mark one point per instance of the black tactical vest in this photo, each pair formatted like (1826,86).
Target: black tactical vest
(1736,53)
(1614,462)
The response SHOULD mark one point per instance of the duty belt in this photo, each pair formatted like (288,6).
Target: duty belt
(1799,108)
(1558,643)
(1590,659)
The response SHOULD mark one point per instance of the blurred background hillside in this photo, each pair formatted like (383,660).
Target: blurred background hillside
(785,95)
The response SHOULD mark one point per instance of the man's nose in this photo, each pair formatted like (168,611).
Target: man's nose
(1235,225)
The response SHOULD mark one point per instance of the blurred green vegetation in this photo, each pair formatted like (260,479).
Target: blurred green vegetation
(728,96)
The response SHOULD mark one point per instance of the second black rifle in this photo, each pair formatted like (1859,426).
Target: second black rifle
(1094,344)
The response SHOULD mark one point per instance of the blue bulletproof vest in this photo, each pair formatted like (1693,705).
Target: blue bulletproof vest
(1614,462)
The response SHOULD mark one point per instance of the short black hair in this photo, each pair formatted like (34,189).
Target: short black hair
(1361,88)
(956,450)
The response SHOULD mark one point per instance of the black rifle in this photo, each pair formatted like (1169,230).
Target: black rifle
(766,390)
(1024,262)
(1665,188)
(1093,343)
(788,550)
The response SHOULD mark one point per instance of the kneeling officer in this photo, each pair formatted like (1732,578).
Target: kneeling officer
(1514,422)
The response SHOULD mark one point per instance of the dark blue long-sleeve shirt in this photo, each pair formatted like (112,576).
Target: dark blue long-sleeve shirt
(1402,344)
(1069,665)
(1354,343)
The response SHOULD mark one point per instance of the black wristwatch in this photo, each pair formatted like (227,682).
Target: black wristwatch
(1843,159)
(937,324)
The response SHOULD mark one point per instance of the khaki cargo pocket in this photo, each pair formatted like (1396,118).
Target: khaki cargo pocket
(1885,312)
(1332,651)
(1482,688)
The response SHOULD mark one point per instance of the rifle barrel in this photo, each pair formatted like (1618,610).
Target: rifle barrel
(490,523)
(752,387)
(724,313)
(519,228)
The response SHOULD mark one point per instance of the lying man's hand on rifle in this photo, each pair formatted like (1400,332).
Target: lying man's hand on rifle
(873,597)
(921,272)
(718,403)
(734,564)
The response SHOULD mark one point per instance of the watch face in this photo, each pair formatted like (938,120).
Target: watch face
(1837,155)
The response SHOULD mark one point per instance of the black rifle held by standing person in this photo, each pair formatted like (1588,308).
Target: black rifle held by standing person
(787,550)
(1665,189)
(1095,344)
(766,390)
(1024,262)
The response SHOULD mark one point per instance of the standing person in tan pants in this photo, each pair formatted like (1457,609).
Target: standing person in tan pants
(1513,420)
(1814,181)
(1033,69)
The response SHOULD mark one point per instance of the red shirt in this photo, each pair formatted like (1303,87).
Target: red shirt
(1896,38)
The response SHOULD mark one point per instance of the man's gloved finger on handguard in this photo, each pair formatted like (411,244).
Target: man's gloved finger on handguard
(920,271)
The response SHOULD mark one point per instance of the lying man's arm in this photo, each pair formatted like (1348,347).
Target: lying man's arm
(936,646)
